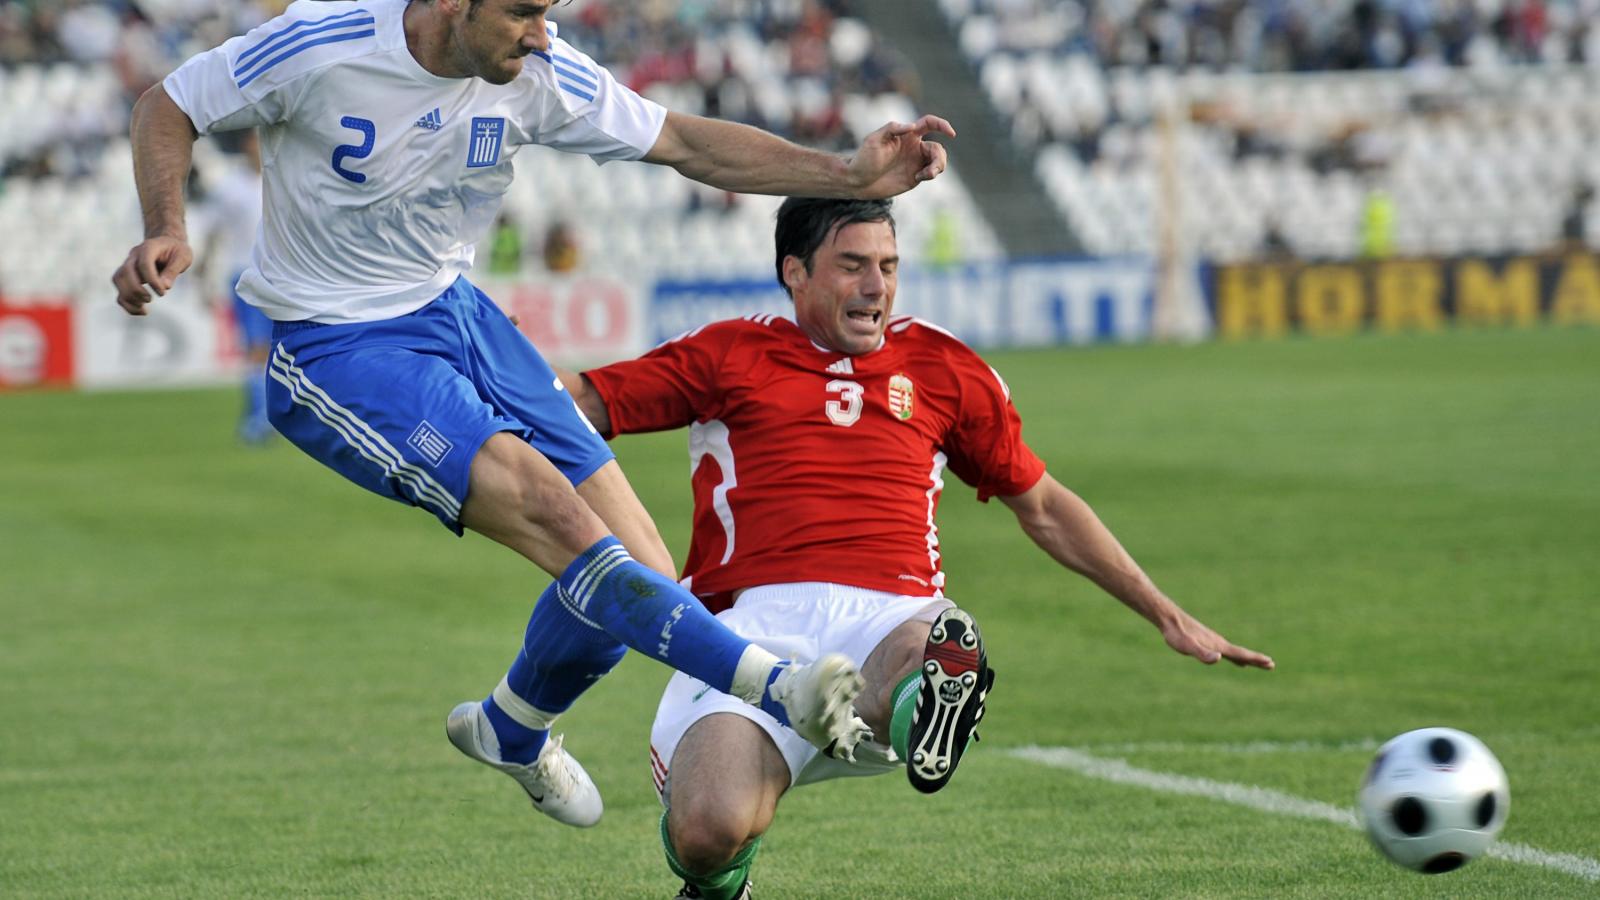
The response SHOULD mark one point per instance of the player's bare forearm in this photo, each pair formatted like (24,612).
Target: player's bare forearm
(1065,527)
(163,149)
(587,398)
(747,160)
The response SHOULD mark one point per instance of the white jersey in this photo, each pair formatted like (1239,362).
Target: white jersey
(379,175)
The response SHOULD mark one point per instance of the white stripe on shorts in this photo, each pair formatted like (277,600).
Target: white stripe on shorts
(359,435)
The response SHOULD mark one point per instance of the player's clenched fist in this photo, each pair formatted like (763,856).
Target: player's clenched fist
(155,263)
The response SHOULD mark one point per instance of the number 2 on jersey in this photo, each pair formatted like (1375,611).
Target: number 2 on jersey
(847,409)
(369,135)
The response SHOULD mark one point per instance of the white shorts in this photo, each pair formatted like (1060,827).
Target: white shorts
(799,622)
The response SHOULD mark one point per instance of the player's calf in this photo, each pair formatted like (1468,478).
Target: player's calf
(952,685)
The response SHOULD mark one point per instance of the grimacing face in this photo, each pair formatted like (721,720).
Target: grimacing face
(491,38)
(844,302)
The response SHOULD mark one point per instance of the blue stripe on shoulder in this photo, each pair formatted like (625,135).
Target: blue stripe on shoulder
(298,48)
(563,72)
(569,80)
(575,90)
(298,40)
(572,63)
(303,23)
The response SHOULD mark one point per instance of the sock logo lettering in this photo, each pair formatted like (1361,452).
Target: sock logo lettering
(666,629)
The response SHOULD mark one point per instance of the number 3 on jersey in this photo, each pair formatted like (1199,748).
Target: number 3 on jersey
(847,409)
(369,135)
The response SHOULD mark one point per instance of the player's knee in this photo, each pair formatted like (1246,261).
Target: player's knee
(706,843)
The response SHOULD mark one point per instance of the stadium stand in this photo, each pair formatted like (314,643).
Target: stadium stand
(1463,132)
(70,72)
(1319,130)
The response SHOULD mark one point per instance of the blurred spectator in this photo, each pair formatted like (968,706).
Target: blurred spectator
(1377,225)
(505,247)
(138,57)
(27,35)
(944,241)
(1275,246)
(709,199)
(1574,224)
(229,213)
(87,30)
(560,248)
(1354,147)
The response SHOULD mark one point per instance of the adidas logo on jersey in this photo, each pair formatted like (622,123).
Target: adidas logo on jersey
(432,121)
(842,367)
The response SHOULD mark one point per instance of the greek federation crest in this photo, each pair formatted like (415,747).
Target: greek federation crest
(427,441)
(485,147)
(902,397)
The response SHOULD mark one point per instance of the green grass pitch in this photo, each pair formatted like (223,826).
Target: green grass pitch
(224,672)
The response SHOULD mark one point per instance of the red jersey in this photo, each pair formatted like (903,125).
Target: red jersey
(813,465)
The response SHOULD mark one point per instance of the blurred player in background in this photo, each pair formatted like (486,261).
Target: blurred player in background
(388,130)
(818,448)
(233,207)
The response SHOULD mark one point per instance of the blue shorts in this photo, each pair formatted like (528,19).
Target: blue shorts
(400,406)
(255,329)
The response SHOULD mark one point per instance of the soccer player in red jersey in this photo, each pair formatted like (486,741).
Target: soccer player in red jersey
(818,448)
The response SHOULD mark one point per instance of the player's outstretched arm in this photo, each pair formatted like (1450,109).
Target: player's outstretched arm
(1061,523)
(163,148)
(588,399)
(735,157)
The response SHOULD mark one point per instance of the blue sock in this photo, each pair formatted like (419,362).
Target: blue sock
(254,427)
(561,656)
(255,395)
(652,614)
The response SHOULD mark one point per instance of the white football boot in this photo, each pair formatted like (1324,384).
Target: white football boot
(817,698)
(556,784)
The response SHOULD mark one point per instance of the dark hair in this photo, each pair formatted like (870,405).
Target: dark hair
(804,222)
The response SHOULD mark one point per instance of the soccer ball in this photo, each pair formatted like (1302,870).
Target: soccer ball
(1434,799)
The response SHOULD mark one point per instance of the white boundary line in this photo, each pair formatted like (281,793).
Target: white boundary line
(1366,745)
(1267,800)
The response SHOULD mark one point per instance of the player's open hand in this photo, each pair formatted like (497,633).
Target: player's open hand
(895,158)
(151,266)
(1189,636)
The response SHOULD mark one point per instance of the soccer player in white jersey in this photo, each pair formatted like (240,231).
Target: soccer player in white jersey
(234,207)
(818,448)
(387,132)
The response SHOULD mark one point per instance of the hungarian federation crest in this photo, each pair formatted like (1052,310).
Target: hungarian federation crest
(902,397)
